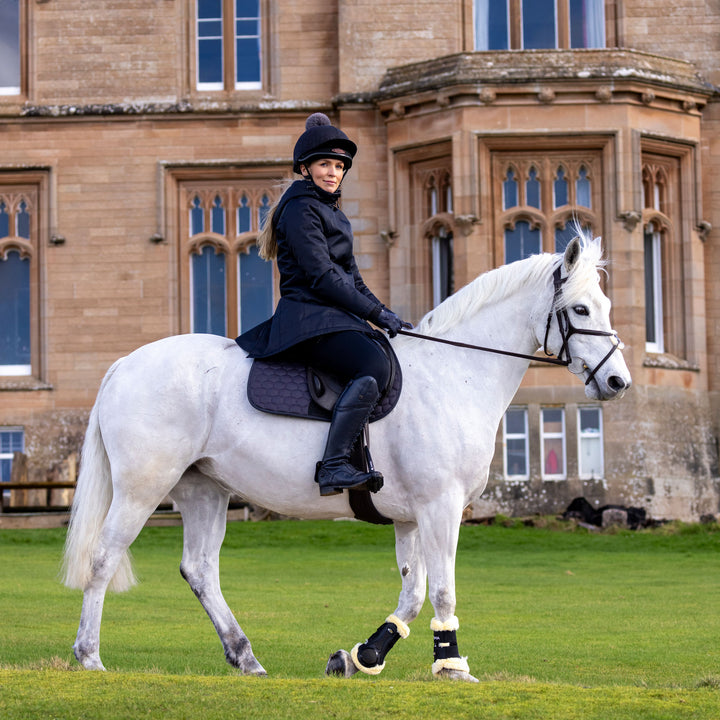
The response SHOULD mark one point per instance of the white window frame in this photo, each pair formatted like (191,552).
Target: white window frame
(253,84)
(592,435)
(16,89)
(658,345)
(595,26)
(228,34)
(516,436)
(442,244)
(561,435)
(205,86)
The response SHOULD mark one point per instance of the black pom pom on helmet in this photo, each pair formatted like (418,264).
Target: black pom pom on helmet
(321,139)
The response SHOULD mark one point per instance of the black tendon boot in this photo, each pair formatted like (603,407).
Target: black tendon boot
(335,472)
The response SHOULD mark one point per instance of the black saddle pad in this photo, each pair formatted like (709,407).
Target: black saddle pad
(284,388)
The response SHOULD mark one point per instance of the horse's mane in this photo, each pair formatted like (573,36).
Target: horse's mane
(497,284)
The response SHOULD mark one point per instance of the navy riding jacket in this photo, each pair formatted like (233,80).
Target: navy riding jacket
(321,290)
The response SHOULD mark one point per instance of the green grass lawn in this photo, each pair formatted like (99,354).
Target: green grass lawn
(556,624)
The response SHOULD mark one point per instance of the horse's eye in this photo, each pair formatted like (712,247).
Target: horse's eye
(581,310)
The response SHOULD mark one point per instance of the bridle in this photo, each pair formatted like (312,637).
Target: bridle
(565,327)
(567,330)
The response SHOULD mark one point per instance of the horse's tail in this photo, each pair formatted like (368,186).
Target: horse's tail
(90,506)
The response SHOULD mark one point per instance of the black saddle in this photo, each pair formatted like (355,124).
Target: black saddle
(284,387)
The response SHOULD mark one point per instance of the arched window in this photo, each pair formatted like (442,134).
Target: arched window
(532,189)
(665,323)
(15,314)
(652,244)
(442,265)
(217,223)
(21,268)
(229,287)
(540,214)
(197,217)
(15,285)
(243,215)
(4,220)
(583,195)
(438,193)
(666,239)
(510,190)
(432,197)
(560,188)
(263,211)
(439,207)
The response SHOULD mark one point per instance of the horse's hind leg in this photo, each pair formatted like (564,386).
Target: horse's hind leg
(122,525)
(203,505)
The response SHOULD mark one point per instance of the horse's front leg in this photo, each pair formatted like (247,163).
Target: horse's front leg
(369,657)
(439,530)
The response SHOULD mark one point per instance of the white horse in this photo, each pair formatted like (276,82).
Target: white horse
(172,418)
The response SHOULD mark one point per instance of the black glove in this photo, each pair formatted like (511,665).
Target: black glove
(388,320)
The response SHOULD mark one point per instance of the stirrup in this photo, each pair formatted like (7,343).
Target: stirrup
(371,481)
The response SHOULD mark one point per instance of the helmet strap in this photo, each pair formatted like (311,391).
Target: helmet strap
(309,176)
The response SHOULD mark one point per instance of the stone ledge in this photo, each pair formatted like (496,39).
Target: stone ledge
(669,362)
(523,66)
(23,383)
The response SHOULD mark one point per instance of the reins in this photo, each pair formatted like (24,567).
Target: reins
(565,326)
(550,360)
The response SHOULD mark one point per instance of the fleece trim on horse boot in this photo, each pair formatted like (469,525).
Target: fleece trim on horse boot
(335,473)
(445,650)
(369,657)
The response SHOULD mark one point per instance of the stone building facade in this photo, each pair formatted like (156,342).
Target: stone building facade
(142,142)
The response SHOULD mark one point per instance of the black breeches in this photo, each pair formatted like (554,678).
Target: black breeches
(348,354)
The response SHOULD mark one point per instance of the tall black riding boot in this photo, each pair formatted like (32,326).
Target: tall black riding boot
(335,472)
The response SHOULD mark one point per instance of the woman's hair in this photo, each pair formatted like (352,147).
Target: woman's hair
(267,240)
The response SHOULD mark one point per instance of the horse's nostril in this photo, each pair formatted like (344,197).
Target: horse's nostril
(616,383)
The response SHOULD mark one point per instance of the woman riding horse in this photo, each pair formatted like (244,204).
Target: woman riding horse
(321,318)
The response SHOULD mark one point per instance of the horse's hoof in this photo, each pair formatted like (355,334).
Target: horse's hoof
(257,670)
(252,667)
(341,664)
(89,660)
(447,674)
(91,663)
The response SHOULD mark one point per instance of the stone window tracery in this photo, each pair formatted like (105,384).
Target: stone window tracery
(540,197)
(230,287)
(665,329)
(19,281)
(438,233)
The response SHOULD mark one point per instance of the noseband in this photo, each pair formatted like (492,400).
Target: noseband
(567,330)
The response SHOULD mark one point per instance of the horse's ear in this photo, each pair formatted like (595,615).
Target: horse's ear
(572,254)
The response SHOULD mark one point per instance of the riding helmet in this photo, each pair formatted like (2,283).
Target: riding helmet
(320,140)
